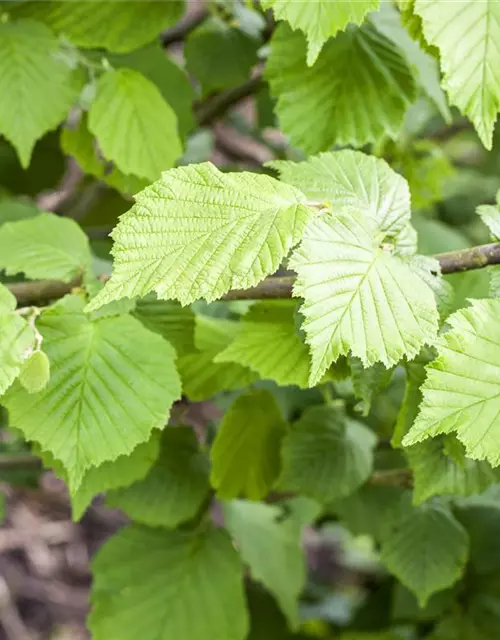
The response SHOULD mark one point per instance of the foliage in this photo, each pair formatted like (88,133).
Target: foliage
(228,303)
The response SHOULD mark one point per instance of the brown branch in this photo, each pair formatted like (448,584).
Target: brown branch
(16,461)
(184,27)
(274,287)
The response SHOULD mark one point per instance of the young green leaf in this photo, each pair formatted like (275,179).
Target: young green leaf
(35,372)
(268,343)
(436,473)
(358,89)
(466,34)
(326,456)
(104,24)
(246,451)
(77,418)
(62,248)
(346,275)
(490,215)
(366,381)
(439,549)
(173,585)
(461,392)
(245,225)
(127,101)
(270,545)
(358,181)
(16,340)
(175,487)
(37,86)
(320,19)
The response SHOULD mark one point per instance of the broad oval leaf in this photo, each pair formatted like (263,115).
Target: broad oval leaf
(112,382)
(462,390)
(173,585)
(197,233)
(37,87)
(127,101)
(358,89)
(358,296)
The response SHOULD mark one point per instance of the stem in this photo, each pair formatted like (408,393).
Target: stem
(274,287)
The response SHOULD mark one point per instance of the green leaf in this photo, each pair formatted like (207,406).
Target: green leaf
(388,21)
(104,24)
(358,181)
(62,248)
(246,451)
(368,381)
(268,343)
(326,455)
(174,489)
(271,546)
(462,389)
(16,340)
(426,548)
(77,418)
(173,585)
(79,143)
(358,89)
(127,101)
(175,323)
(13,210)
(121,472)
(171,80)
(220,56)
(202,377)
(466,34)
(490,215)
(345,275)
(35,372)
(320,19)
(228,248)
(436,473)
(38,88)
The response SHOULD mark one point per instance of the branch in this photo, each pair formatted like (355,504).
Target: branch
(184,27)
(275,287)
(212,109)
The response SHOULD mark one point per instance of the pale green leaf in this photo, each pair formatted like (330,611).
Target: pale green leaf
(326,455)
(104,24)
(355,180)
(112,382)
(127,101)
(113,474)
(46,246)
(79,143)
(462,389)
(175,487)
(269,344)
(246,451)
(203,377)
(320,19)
(467,33)
(270,545)
(158,248)
(16,340)
(490,215)
(358,89)
(37,87)
(172,81)
(388,21)
(347,275)
(157,584)
(35,372)
(175,323)
(426,548)
(436,473)
(220,56)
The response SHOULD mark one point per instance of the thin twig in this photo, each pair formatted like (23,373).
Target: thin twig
(184,27)
(274,287)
